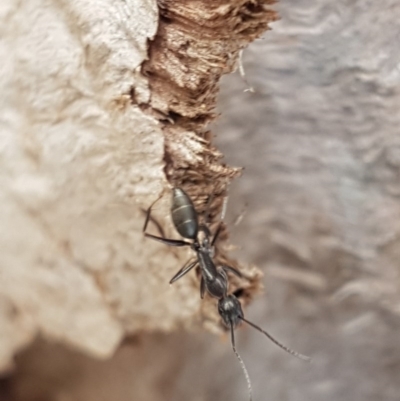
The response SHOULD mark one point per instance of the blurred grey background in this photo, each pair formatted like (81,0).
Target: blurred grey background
(319,140)
(320,143)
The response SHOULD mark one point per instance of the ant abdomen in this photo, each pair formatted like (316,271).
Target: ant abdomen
(184,215)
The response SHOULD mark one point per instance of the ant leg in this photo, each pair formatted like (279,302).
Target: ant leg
(185,269)
(216,234)
(148,217)
(232,270)
(224,207)
(208,206)
(168,241)
(202,288)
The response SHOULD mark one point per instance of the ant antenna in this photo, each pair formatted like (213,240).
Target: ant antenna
(290,351)
(241,363)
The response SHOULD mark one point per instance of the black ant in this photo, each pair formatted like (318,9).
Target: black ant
(185,219)
(215,280)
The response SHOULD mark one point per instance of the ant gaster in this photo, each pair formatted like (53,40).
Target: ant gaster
(185,219)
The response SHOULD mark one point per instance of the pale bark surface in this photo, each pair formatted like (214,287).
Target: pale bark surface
(77,162)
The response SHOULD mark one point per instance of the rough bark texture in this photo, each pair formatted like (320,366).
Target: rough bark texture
(196,43)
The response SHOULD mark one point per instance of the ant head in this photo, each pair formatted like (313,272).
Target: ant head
(230,310)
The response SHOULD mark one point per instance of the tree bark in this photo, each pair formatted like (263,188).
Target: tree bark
(90,131)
